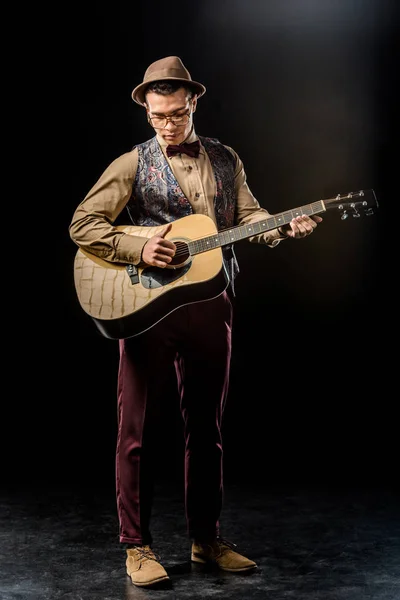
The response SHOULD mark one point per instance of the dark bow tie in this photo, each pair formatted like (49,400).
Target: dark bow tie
(189,149)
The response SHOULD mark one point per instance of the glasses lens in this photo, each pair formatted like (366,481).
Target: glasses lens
(181,120)
(161,122)
(158,122)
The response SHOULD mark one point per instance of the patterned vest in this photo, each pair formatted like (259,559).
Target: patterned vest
(157,197)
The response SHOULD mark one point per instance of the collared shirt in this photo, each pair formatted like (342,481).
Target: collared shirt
(92,227)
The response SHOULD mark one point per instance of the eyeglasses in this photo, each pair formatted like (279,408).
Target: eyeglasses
(161,122)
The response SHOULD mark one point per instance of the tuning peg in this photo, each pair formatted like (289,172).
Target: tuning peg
(344,215)
(355,212)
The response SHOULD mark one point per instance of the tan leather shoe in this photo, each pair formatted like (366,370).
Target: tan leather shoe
(222,553)
(143,567)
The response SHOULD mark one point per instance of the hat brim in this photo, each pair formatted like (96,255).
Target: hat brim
(139,96)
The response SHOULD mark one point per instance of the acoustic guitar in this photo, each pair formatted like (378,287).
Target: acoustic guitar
(125,301)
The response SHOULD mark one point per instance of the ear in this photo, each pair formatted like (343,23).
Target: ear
(194,103)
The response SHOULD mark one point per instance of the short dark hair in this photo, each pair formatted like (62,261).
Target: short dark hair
(169,86)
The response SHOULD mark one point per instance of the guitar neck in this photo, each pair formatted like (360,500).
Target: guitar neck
(242,232)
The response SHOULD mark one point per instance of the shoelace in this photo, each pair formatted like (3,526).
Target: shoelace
(146,553)
(223,542)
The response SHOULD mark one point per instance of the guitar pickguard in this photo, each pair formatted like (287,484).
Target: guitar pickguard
(154,277)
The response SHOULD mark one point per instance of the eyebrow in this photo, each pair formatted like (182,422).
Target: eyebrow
(170,114)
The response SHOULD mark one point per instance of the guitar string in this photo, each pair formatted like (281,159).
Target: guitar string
(183,251)
(231,229)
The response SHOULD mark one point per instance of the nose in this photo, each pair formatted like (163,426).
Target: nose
(167,126)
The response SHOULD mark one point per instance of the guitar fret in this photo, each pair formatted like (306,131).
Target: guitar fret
(229,236)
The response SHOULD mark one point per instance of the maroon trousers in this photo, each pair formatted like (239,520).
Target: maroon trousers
(197,340)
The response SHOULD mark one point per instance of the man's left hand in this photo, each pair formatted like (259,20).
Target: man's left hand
(302,226)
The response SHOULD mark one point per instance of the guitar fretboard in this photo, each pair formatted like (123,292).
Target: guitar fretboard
(241,232)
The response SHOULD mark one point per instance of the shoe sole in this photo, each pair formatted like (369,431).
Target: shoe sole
(149,583)
(202,561)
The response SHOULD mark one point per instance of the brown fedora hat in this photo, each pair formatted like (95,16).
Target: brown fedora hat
(170,67)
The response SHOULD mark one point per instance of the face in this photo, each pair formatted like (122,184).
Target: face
(174,105)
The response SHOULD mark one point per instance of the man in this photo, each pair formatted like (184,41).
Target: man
(172,175)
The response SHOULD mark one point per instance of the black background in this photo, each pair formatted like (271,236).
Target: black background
(304,92)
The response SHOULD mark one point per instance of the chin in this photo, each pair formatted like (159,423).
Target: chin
(176,139)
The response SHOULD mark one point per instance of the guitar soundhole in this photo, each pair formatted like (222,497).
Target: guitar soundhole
(182,254)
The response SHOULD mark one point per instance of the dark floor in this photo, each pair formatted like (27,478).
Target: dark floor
(314,543)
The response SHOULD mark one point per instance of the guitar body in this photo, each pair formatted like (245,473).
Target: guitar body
(124,309)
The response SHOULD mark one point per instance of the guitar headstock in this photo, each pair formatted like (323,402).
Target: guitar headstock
(353,203)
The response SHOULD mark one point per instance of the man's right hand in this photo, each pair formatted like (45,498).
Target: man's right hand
(158,252)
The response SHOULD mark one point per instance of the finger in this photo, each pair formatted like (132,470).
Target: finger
(160,263)
(309,224)
(166,229)
(166,247)
(159,259)
(302,226)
